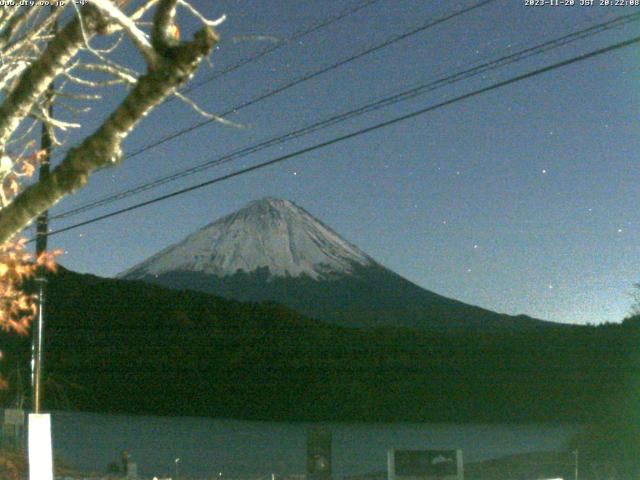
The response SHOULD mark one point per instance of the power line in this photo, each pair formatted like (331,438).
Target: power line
(325,22)
(384,102)
(296,36)
(317,73)
(356,133)
(304,78)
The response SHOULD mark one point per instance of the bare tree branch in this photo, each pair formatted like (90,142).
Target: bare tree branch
(103,147)
(36,78)
(138,37)
(138,14)
(113,70)
(206,22)
(15,22)
(163,22)
(208,115)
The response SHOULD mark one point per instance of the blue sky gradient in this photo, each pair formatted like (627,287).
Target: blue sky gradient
(521,200)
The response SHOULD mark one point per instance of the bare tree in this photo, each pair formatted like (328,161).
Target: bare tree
(33,54)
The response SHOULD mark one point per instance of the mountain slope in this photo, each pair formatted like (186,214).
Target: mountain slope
(274,250)
(371,297)
(270,233)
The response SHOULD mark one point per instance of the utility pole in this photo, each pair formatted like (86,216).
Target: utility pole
(40,449)
(42,235)
(576,453)
(42,231)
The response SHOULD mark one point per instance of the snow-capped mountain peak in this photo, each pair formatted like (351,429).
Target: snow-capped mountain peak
(269,233)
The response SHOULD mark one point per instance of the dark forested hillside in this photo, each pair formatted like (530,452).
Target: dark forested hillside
(369,297)
(124,346)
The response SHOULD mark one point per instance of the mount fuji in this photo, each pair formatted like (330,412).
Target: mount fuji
(274,250)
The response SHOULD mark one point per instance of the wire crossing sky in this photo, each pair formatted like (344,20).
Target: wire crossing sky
(520,200)
(351,135)
(402,96)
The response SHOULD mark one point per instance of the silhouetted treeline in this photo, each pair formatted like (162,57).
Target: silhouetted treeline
(122,346)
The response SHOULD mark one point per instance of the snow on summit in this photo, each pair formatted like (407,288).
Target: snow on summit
(269,233)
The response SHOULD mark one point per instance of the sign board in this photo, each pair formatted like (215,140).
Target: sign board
(318,454)
(425,465)
(40,451)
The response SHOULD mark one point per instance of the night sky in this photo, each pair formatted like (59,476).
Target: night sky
(521,200)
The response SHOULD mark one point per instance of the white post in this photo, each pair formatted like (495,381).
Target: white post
(391,464)
(460,465)
(40,449)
